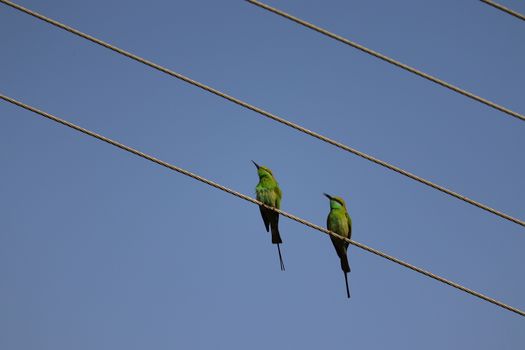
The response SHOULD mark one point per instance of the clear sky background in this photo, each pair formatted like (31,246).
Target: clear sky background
(100,249)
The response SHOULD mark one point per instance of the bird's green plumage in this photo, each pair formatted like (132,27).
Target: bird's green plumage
(268,192)
(339,221)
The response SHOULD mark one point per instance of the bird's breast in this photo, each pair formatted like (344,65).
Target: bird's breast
(266,195)
(338,224)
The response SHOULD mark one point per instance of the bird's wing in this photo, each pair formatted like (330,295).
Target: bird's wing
(328,225)
(266,217)
(349,220)
(279,195)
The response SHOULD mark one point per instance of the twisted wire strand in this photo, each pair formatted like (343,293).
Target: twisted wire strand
(264,113)
(254,201)
(388,59)
(504,9)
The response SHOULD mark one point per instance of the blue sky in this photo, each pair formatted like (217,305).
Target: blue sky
(102,250)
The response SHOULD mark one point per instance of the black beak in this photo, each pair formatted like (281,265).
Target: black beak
(256,165)
(327,196)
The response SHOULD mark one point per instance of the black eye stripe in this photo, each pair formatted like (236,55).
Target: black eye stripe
(339,201)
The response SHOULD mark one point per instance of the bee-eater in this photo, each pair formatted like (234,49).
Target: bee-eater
(268,192)
(339,221)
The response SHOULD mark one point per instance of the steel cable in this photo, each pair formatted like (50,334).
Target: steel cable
(504,9)
(254,201)
(265,113)
(388,59)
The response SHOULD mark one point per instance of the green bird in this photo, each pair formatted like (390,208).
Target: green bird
(269,193)
(339,221)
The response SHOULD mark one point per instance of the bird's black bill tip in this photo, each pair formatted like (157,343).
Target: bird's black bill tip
(327,196)
(256,165)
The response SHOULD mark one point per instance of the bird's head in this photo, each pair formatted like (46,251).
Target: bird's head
(263,171)
(335,202)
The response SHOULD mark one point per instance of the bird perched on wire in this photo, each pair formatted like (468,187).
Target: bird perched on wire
(339,221)
(269,193)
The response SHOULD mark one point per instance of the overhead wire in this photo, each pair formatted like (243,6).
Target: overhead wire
(264,113)
(254,201)
(504,9)
(387,59)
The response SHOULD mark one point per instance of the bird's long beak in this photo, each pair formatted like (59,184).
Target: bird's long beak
(327,196)
(256,165)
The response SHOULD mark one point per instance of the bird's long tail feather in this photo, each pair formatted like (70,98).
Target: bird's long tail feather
(346,281)
(280,257)
(345,266)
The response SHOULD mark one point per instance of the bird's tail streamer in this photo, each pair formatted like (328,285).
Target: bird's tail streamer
(346,281)
(280,257)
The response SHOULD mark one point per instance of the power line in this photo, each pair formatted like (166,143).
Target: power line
(504,9)
(254,201)
(265,113)
(388,59)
